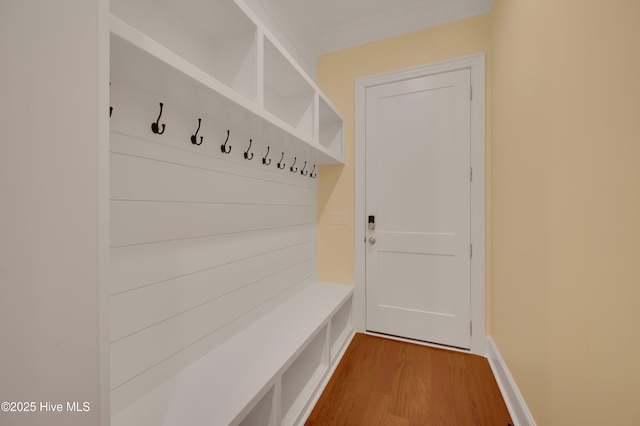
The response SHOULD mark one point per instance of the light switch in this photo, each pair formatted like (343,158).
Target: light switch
(338,218)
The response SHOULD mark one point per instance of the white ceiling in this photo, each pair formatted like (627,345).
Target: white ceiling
(337,24)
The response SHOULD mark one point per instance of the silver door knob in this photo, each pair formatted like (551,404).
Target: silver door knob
(372,240)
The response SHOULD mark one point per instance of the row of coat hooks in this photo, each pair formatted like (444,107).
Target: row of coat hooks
(159,128)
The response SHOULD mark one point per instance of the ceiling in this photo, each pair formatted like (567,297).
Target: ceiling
(336,24)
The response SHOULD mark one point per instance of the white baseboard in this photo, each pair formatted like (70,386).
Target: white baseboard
(518,409)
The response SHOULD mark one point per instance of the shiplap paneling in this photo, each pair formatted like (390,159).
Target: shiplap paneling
(176,296)
(157,180)
(140,384)
(141,222)
(202,243)
(150,346)
(140,265)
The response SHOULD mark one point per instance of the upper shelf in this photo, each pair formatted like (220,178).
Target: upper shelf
(330,128)
(287,94)
(217,57)
(214,36)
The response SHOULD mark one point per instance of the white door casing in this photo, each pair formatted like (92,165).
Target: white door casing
(418,188)
(473,66)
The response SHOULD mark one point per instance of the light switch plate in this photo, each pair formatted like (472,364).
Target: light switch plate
(338,218)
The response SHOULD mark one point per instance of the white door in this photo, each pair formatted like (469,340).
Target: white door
(418,190)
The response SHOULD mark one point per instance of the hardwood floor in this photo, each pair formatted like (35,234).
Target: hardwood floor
(386,382)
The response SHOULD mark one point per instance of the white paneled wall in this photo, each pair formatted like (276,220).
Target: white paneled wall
(202,243)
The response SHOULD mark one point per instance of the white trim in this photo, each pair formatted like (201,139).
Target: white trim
(416,342)
(104,239)
(399,21)
(476,64)
(285,28)
(518,409)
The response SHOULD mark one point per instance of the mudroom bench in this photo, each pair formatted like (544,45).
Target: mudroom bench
(270,373)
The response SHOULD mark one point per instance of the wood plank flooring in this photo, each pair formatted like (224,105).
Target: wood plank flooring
(386,382)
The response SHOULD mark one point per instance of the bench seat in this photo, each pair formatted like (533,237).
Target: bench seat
(267,374)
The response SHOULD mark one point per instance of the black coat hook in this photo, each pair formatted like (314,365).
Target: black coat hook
(304,172)
(223,147)
(313,175)
(155,127)
(281,164)
(246,154)
(194,138)
(294,163)
(110,108)
(264,159)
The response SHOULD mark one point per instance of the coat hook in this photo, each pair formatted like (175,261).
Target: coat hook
(304,172)
(281,163)
(294,163)
(246,154)
(155,127)
(194,138)
(264,159)
(110,108)
(313,175)
(223,147)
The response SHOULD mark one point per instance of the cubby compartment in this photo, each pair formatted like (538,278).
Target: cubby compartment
(287,94)
(267,374)
(215,36)
(140,62)
(137,61)
(303,376)
(330,129)
(263,413)
(341,327)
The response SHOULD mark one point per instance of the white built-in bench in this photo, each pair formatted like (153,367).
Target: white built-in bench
(268,374)
(215,318)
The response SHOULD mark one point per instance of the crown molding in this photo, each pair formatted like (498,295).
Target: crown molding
(401,21)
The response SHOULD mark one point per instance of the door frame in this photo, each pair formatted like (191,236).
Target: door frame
(476,64)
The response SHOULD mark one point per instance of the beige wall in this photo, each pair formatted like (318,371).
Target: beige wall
(566,206)
(563,201)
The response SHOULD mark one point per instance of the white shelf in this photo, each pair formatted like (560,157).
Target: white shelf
(287,94)
(341,328)
(302,378)
(216,58)
(216,37)
(264,413)
(143,63)
(331,128)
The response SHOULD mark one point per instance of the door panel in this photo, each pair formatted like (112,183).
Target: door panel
(410,293)
(418,189)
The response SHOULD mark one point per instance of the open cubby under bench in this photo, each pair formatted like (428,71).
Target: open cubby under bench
(270,373)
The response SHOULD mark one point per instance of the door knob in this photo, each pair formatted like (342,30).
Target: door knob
(372,240)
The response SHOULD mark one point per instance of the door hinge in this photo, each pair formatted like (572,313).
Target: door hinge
(470,93)
(470,250)
(470,328)
(470,174)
